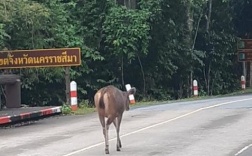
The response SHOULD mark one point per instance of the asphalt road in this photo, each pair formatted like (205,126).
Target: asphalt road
(213,127)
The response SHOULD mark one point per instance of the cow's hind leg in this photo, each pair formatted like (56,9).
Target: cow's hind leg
(117,123)
(105,132)
(109,121)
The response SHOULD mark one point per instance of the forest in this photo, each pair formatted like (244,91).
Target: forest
(157,46)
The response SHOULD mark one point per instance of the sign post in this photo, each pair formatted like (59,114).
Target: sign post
(244,47)
(64,57)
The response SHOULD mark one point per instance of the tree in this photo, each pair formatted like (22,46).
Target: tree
(157,46)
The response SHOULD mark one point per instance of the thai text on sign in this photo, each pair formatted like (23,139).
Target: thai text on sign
(40,58)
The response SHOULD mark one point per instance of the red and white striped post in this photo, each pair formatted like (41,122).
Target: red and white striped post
(131,96)
(73,95)
(195,88)
(243,82)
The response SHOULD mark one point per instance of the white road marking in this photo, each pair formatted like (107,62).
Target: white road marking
(244,149)
(161,123)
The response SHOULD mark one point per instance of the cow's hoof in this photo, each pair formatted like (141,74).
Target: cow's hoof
(106,151)
(118,149)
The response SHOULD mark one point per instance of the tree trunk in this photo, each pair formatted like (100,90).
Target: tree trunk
(193,45)
(130,4)
(122,72)
(250,74)
(144,90)
(180,92)
(210,3)
(188,41)
(208,79)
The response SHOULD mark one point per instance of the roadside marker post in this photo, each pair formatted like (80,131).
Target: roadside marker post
(195,88)
(73,96)
(243,82)
(131,96)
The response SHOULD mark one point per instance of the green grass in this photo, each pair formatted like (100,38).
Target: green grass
(85,109)
(241,92)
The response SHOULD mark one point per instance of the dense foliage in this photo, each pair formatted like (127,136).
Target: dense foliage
(158,46)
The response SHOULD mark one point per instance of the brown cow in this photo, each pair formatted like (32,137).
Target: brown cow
(110,103)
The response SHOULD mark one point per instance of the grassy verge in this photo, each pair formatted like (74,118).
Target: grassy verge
(85,109)
(82,109)
(241,92)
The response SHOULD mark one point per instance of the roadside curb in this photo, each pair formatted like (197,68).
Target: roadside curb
(30,115)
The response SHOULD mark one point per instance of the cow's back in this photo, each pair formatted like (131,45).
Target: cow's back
(109,100)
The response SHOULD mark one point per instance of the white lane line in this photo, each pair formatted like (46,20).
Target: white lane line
(244,149)
(158,124)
